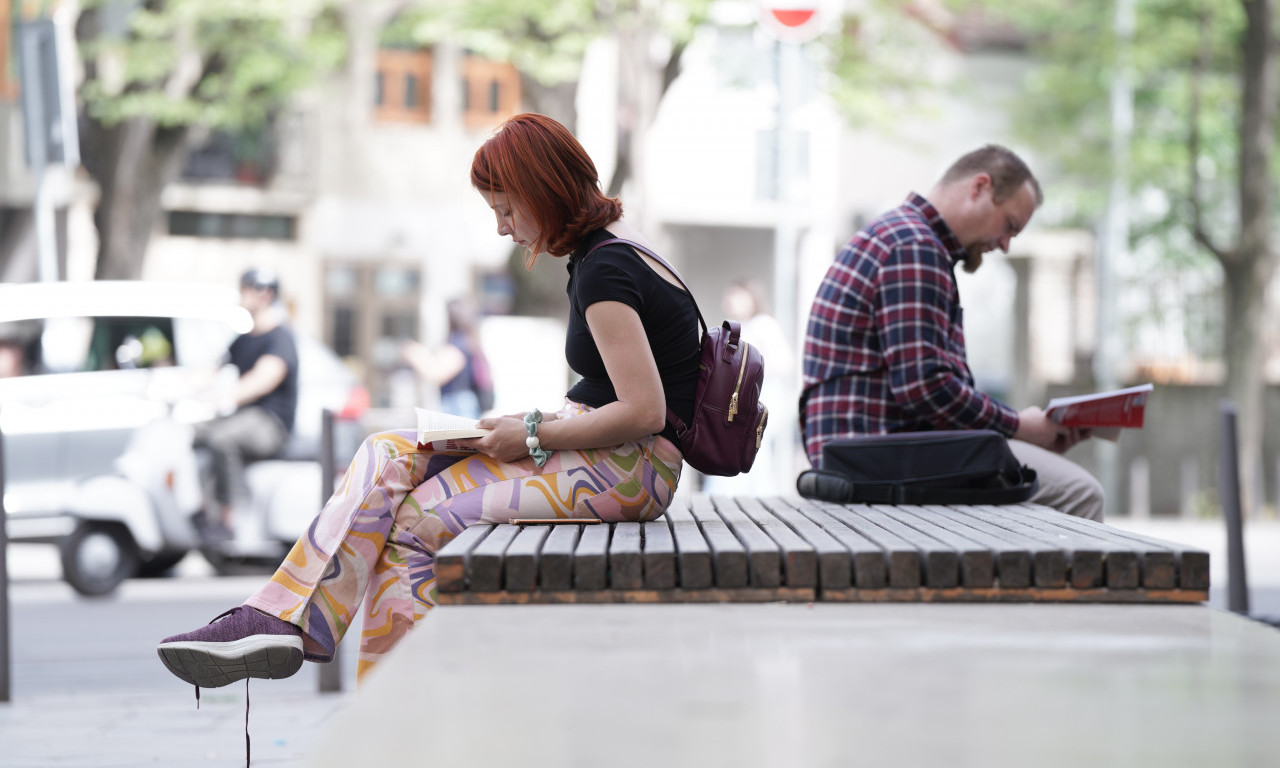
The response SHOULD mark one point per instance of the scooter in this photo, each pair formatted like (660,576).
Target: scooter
(143,518)
(134,521)
(279,499)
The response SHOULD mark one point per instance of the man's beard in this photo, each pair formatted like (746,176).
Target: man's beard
(972,259)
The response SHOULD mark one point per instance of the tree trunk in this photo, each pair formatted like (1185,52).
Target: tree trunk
(1249,269)
(132,162)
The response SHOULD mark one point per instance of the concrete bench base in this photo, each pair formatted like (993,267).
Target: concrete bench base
(744,549)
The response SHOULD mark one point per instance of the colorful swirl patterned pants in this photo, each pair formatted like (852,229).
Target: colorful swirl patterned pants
(374,542)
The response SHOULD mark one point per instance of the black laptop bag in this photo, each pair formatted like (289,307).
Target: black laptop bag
(945,467)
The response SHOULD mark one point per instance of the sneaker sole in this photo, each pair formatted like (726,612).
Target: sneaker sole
(213,665)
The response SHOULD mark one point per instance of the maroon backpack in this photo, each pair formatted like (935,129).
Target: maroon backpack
(728,417)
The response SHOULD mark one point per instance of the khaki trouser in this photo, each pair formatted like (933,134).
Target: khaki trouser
(1064,485)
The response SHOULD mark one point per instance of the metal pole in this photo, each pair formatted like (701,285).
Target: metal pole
(1116,244)
(5,661)
(331,673)
(1229,492)
(785,227)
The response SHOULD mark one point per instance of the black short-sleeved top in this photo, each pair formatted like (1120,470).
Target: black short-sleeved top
(245,353)
(670,318)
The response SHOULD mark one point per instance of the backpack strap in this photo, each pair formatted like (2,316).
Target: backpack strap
(660,260)
(672,418)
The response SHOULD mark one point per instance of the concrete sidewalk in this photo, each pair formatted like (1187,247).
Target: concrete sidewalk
(823,685)
(89,690)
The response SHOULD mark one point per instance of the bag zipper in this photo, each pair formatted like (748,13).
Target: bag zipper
(764,418)
(742,369)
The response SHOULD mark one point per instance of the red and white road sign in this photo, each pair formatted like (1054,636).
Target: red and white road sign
(791,21)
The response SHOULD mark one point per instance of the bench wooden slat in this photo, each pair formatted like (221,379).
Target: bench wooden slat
(693,553)
(746,549)
(834,566)
(1121,561)
(522,557)
(659,558)
(453,559)
(555,567)
(1013,561)
(799,557)
(1053,558)
(905,563)
(1159,563)
(1082,557)
(975,564)
(625,568)
(590,557)
(870,561)
(763,553)
(488,556)
(1118,566)
(728,555)
(940,561)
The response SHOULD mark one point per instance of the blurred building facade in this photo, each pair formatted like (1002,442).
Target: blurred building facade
(359,196)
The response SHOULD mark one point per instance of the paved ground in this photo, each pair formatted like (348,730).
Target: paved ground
(88,689)
(824,686)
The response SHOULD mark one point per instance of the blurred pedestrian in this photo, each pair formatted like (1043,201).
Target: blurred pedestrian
(458,367)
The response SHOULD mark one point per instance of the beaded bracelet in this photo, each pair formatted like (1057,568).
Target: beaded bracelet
(531,420)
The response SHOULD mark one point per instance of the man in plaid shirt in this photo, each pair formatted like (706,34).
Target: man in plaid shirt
(884,350)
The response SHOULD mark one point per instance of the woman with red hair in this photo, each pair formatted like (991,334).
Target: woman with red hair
(608,454)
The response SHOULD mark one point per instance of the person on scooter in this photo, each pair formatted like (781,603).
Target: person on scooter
(259,411)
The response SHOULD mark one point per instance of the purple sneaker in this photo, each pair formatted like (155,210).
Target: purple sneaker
(243,642)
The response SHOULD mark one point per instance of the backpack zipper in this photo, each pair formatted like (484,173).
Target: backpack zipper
(764,418)
(742,369)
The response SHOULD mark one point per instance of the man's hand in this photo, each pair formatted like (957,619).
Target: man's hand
(1038,429)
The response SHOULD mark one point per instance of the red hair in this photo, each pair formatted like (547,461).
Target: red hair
(544,171)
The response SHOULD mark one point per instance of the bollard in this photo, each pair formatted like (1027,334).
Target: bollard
(5,665)
(331,673)
(1229,493)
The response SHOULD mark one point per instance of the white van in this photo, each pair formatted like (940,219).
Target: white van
(96,419)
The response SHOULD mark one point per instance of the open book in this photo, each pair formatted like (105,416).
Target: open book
(446,428)
(1105,413)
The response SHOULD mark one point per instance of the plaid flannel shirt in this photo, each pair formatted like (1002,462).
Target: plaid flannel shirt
(884,349)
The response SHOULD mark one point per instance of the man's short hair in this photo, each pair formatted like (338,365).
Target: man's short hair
(1007,171)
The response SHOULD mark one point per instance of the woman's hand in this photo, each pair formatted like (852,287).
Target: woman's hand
(505,441)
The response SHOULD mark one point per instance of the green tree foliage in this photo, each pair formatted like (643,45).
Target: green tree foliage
(1065,109)
(161,74)
(225,65)
(880,61)
(1201,156)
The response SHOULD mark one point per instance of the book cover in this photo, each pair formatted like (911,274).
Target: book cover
(446,429)
(1104,412)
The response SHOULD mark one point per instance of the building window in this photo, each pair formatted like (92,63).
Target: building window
(403,86)
(234,226)
(490,92)
(370,310)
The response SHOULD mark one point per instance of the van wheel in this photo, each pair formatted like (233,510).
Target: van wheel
(97,557)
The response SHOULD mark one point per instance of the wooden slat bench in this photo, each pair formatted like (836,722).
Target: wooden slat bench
(743,549)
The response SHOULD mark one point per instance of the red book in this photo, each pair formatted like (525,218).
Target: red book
(1103,412)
